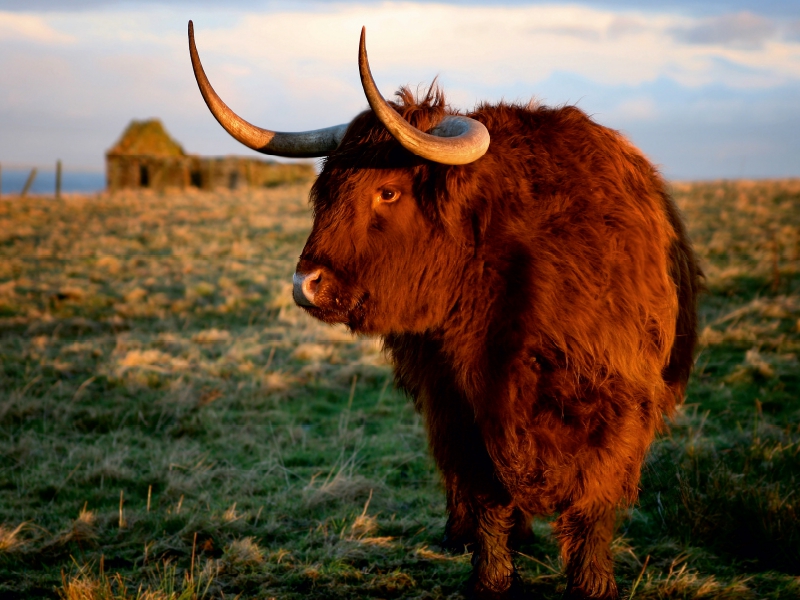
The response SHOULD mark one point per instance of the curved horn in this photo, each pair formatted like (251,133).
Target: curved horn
(454,141)
(304,144)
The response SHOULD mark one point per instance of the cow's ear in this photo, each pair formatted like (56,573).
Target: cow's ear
(463,209)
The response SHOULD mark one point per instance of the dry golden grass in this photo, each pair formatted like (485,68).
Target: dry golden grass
(93,264)
(174,427)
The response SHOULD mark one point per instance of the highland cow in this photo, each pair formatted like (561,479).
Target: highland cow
(535,289)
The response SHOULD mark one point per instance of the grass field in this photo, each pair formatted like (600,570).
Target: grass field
(172,426)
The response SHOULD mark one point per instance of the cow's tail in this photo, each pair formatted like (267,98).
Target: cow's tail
(688,278)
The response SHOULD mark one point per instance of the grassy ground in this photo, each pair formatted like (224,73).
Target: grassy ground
(173,427)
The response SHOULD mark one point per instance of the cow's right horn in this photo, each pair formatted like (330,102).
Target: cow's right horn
(304,144)
(456,140)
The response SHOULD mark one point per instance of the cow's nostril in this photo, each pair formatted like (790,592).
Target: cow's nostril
(312,283)
(306,286)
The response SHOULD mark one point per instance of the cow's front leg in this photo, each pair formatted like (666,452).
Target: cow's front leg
(493,573)
(585,538)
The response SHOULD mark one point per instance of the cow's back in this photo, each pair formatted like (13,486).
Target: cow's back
(613,280)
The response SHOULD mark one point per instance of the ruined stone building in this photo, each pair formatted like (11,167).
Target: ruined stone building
(147,157)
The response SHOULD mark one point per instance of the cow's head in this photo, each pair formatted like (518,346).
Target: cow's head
(380,257)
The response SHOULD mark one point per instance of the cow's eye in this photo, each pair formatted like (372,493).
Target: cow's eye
(389,195)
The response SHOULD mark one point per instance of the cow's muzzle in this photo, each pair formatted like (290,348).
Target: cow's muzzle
(305,287)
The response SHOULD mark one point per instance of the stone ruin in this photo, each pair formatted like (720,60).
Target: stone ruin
(146,157)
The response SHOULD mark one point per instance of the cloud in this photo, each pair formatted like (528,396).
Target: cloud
(637,108)
(505,44)
(73,79)
(25,27)
(744,29)
(791,30)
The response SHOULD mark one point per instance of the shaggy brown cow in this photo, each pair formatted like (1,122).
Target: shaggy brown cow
(537,299)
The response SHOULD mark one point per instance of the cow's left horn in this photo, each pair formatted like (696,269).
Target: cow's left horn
(454,141)
(304,144)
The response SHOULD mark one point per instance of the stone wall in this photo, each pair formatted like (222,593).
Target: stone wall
(162,172)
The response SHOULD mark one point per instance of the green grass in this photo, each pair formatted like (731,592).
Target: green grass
(173,427)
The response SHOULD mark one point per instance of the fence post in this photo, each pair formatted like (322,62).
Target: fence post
(28,183)
(58,179)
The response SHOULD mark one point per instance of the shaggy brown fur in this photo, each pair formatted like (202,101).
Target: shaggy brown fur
(538,304)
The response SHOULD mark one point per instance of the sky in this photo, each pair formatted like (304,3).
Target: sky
(706,89)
